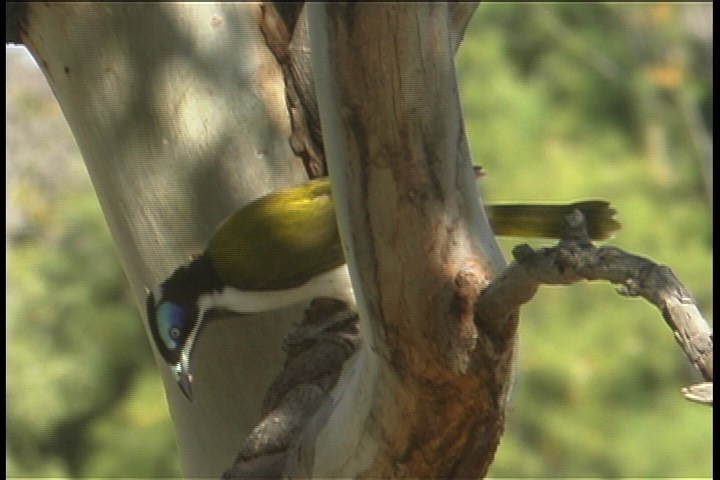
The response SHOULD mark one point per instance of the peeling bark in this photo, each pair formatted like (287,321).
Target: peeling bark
(285,31)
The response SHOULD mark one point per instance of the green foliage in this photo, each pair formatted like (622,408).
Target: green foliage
(140,416)
(76,352)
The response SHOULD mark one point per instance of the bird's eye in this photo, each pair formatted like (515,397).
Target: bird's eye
(172,320)
(174,333)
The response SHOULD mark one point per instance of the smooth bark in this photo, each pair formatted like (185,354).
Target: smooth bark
(179,112)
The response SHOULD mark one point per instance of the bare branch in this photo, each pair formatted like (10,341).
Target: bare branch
(316,352)
(576,259)
(286,34)
(700,393)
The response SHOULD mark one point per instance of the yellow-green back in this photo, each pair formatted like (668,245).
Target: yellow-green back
(280,240)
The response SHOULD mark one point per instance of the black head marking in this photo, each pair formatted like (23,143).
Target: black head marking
(172,308)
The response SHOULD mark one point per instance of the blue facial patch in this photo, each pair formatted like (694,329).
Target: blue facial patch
(172,319)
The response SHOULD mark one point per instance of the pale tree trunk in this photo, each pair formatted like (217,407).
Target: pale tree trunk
(179,112)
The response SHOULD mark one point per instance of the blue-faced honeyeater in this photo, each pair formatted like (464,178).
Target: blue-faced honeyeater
(284,248)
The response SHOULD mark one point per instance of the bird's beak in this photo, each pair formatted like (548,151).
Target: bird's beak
(183,376)
(182,368)
(185,384)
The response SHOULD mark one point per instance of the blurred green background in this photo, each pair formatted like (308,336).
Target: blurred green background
(561,102)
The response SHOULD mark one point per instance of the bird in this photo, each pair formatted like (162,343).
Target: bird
(256,262)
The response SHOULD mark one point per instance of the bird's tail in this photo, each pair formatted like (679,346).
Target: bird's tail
(548,221)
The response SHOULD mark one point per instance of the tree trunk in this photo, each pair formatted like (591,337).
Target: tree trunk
(179,112)
(431,402)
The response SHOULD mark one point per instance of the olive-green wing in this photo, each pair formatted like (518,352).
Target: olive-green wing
(280,240)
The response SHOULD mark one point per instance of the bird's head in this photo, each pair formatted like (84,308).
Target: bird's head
(175,317)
